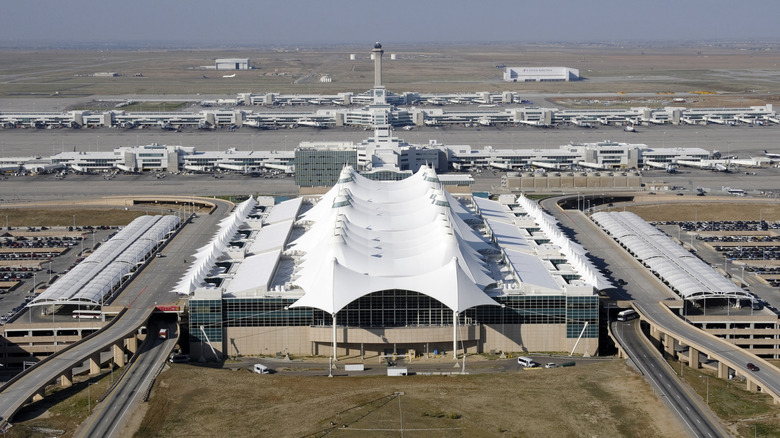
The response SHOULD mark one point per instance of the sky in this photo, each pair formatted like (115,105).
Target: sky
(253,23)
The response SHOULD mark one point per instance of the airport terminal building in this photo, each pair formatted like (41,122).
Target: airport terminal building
(391,267)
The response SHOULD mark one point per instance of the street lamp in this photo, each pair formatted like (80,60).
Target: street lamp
(761,214)
(708,388)
(89,396)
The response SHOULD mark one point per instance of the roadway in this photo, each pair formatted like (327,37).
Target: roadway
(698,419)
(109,416)
(150,287)
(646,293)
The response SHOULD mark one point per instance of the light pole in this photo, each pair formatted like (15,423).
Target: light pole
(74,221)
(761,214)
(89,396)
(708,388)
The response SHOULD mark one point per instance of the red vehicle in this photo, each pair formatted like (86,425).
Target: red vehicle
(752,367)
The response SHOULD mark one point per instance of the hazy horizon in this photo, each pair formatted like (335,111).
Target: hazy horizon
(242,23)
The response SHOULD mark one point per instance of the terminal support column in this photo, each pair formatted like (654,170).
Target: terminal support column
(455,335)
(334,336)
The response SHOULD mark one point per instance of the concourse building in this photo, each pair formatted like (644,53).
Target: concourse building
(375,268)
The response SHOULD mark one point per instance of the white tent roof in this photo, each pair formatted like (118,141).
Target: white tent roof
(253,275)
(367,236)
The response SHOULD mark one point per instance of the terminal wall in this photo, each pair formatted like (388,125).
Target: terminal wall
(351,341)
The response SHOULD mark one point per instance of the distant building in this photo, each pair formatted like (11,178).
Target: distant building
(541,74)
(381,157)
(232,64)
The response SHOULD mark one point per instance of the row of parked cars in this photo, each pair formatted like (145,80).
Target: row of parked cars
(10,315)
(749,252)
(14,276)
(761,225)
(39,242)
(740,239)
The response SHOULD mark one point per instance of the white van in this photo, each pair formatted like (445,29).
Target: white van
(526,362)
(261,369)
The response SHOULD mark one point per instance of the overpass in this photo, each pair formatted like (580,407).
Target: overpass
(121,335)
(648,296)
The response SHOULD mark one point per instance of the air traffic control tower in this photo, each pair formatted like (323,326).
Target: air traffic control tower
(377,52)
(379,90)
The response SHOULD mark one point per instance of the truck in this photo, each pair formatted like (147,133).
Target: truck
(163,334)
(397,371)
(261,369)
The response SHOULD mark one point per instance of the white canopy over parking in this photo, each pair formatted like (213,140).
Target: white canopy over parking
(685,273)
(89,282)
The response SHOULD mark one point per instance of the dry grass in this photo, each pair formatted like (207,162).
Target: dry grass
(53,217)
(604,399)
(436,69)
(688,210)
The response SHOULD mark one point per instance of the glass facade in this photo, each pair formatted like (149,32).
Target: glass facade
(206,313)
(321,167)
(395,308)
(580,310)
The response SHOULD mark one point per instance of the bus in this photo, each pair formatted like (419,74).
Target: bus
(627,315)
(87,314)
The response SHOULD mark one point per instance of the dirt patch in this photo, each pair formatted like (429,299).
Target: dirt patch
(603,399)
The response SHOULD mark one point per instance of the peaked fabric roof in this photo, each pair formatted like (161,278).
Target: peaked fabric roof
(366,236)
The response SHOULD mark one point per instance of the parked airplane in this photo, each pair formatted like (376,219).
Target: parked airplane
(165,126)
(311,123)
(630,128)
(771,155)
(229,76)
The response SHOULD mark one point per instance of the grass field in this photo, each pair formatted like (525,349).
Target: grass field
(25,217)
(707,211)
(604,399)
(435,69)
